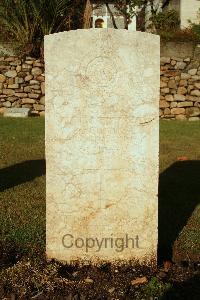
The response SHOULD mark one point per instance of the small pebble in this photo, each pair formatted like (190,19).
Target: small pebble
(89,280)
(111,290)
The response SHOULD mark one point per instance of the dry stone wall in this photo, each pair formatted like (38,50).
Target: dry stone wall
(180,88)
(22,85)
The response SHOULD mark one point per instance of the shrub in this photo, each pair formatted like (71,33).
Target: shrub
(166,20)
(180,35)
(25,22)
(196,27)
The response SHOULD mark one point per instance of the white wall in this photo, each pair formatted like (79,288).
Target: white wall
(188,10)
(103,13)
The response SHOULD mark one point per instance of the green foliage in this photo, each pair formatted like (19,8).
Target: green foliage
(180,35)
(166,20)
(156,288)
(25,22)
(17,22)
(196,27)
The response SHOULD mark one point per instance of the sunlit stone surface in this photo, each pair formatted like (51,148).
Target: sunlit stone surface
(102,134)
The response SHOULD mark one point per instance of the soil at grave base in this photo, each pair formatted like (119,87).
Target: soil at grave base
(40,279)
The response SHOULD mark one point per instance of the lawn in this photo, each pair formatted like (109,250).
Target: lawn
(22,186)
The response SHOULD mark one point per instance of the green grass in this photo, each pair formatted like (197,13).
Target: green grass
(22,182)
(178,188)
(178,139)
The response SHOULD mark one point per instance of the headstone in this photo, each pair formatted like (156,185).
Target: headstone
(17,112)
(102,143)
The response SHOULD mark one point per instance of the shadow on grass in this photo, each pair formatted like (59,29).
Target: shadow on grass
(179,191)
(21,173)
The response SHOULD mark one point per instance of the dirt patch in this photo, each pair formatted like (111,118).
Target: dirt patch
(39,279)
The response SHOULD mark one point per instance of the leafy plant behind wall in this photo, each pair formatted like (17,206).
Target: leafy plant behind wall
(196,27)
(25,22)
(166,20)
(17,22)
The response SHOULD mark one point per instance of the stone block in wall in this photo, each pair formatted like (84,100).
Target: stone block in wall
(28,101)
(35,87)
(36,71)
(41,78)
(185,104)
(183,82)
(181,117)
(194,65)
(192,72)
(173,62)
(169,98)
(191,98)
(19,80)
(197,85)
(179,97)
(181,90)
(167,111)
(34,96)
(165,60)
(192,111)
(180,65)
(42,100)
(12,98)
(27,89)
(195,93)
(177,111)
(21,95)
(194,119)
(172,73)
(173,91)
(172,84)
(34,81)
(13,86)
(173,104)
(8,92)
(169,117)
(7,104)
(28,77)
(177,58)
(190,88)
(11,74)
(197,104)
(21,74)
(165,90)
(163,104)
(163,84)
(38,107)
(2,78)
(185,76)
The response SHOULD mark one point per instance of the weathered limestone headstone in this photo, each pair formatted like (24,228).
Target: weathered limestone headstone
(102,134)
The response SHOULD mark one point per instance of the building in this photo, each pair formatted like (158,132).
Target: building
(188,10)
(106,16)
